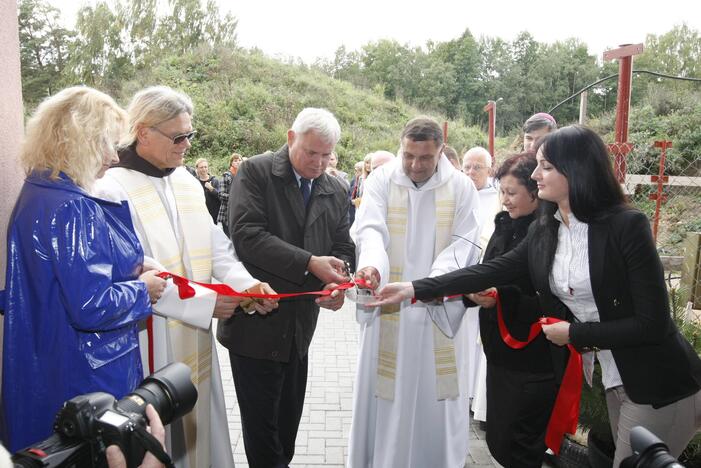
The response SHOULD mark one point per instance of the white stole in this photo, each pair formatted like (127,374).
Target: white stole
(443,349)
(186,343)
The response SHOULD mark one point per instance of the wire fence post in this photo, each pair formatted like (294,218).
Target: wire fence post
(659,197)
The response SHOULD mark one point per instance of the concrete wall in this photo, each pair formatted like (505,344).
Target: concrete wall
(11,126)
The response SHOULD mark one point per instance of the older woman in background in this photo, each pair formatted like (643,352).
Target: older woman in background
(210,186)
(75,282)
(224,189)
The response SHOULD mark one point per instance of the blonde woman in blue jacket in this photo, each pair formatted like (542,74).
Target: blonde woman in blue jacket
(75,288)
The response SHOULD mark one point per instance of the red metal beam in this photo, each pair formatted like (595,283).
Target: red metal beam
(625,50)
(621,148)
(491,108)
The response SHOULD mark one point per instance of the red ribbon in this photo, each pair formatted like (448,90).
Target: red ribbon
(566,409)
(185,291)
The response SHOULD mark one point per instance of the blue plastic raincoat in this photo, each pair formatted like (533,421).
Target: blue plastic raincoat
(72,303)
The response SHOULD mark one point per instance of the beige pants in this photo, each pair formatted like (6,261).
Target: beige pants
(674,424)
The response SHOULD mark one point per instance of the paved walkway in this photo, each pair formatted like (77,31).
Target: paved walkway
(323,433)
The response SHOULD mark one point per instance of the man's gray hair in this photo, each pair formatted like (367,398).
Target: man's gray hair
(321,121)
(153,106)
(478,150)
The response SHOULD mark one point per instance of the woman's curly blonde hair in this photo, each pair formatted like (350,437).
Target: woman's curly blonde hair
(70,132)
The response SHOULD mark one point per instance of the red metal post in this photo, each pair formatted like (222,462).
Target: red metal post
(491,108)
(621,147)
(445,132)
(661,179)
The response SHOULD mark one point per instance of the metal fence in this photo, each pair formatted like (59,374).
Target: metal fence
(665,183)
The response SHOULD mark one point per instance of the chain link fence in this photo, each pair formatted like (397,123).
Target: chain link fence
(665,183)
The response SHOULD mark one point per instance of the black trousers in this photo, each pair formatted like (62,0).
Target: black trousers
(271,397)
(518,410)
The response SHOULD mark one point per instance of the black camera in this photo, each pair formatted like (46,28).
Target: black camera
(648,451)
(88,424)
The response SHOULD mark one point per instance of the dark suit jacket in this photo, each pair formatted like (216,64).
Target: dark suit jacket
(656,364)
(519,304)
(275,237)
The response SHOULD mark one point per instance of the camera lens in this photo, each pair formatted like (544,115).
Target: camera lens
(169,390)
(649,451)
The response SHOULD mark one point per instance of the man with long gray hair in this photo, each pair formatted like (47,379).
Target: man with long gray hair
(170,217)
(288,220)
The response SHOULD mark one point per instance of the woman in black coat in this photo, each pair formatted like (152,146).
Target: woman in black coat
(593,263)
(521,386)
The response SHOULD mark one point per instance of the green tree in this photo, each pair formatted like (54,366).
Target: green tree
(462,59)
(98,55)
(676,53)
(388,63)
(43,48)
(189,25)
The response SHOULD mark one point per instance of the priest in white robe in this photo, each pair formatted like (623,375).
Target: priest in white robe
(477,165)
(172,222)
(418,217)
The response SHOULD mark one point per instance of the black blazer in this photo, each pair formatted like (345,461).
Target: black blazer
(656,364)
(519,303)
(275,237)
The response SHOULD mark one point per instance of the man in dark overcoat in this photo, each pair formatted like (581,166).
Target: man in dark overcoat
(289,225)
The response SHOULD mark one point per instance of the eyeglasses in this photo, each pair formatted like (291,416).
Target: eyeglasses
(476,167)
(179,138)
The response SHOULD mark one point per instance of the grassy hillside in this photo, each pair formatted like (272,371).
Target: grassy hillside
(245,102)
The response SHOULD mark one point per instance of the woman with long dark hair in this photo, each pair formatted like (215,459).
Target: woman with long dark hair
(593,263)
(521,386)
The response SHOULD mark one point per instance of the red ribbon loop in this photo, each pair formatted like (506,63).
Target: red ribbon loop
(566,409)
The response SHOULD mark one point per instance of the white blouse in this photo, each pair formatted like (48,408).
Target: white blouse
(570,282)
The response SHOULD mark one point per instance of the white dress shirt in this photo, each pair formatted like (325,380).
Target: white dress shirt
(570,282)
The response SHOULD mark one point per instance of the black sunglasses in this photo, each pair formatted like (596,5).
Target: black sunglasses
(177,139)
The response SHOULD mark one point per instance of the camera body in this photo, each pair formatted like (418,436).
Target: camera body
(98,419)
(87,424)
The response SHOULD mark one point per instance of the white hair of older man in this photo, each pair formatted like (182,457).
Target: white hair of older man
(478,150)
(378,158)
(321,121)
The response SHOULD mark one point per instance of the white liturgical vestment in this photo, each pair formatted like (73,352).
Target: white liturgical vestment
(178,235)
(415,423)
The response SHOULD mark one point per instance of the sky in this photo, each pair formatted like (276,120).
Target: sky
(309,29)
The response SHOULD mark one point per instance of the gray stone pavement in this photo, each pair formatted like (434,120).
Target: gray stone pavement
(322,440)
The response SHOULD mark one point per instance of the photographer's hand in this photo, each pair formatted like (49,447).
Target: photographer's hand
(115,457)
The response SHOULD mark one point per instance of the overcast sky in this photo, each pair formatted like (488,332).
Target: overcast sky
(316,28)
